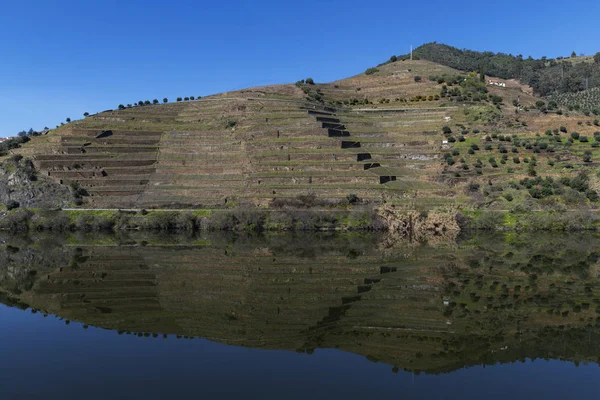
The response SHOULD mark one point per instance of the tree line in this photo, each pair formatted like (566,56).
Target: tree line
(545,75)
(165,100)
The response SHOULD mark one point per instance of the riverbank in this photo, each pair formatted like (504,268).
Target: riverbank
(249,219)
(416,224)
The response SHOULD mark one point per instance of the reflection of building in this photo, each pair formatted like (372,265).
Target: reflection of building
(496,82)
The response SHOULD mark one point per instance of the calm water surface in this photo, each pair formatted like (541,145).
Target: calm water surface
(313,316)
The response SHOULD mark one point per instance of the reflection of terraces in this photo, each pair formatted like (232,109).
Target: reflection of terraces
(99,282)
(337,312)
(301,295)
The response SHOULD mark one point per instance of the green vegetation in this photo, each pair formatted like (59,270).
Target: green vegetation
(545,76)
(12,143)
(586,100)
(293,215)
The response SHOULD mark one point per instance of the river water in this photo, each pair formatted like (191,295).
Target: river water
(300,316)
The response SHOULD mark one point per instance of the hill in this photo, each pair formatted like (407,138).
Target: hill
(547,76)
(411,135)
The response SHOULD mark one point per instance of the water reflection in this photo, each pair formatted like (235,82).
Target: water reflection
(424,308)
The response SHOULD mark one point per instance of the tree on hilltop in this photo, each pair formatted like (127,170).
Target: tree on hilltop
(597,58)
(68,120)
(310,81)
(85,114)
(573,54)
(393,58)
(155,101)
(165,100)
(179,99)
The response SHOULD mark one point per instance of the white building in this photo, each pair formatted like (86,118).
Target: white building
(495,82)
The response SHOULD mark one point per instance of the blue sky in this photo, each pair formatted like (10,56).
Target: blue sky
(59,59)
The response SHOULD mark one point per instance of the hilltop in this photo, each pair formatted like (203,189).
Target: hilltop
(411,135)
(547,76)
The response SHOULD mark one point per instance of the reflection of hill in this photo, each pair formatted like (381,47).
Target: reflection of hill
(507,297)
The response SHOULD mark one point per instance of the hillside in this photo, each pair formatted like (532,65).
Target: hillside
(547,76)
(411,134)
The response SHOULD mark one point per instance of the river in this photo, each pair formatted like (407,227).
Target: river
(321,315)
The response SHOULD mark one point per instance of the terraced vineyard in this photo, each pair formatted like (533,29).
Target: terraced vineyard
(587,100)
(377,137)
(245,146)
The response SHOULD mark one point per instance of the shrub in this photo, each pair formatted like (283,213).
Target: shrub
(563,129)
(489,220)
(417,78)
(473,186)
(575,135)
(371,71)
(77,191)
(12,204)
(310,81)
(446,130)
(496,99)
(17,220)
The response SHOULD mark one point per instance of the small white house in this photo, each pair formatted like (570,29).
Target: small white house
(495,82)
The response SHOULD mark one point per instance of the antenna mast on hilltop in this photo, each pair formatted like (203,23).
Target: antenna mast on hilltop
(411,52)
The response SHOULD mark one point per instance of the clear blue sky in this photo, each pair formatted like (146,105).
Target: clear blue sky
(59,59)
